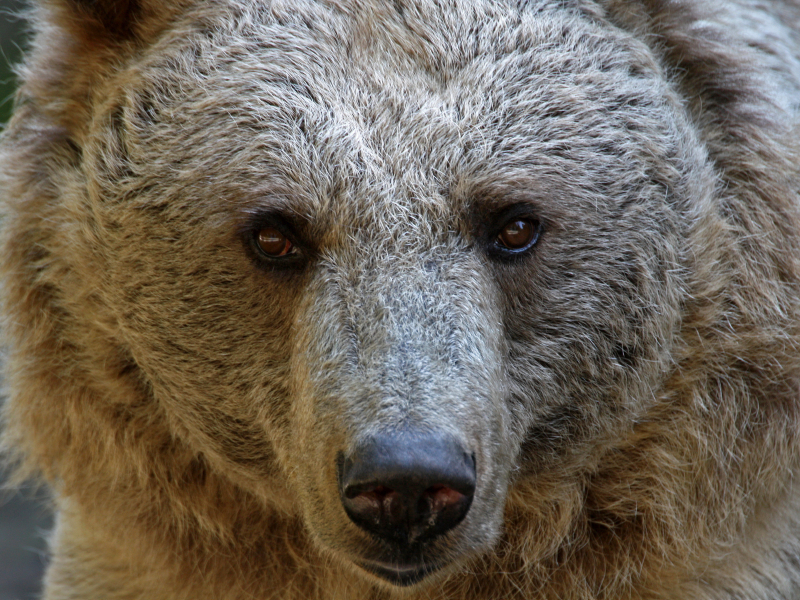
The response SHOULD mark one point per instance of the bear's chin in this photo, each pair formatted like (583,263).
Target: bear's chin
(400,574)
(416,566)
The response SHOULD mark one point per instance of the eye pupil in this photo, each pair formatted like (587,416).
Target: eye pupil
(273,243)
(517,234)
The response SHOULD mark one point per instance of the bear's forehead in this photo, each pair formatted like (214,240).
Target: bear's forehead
(382,112)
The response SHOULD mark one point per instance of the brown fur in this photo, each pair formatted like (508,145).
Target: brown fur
(629,386)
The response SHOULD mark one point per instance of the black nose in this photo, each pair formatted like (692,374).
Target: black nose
(406,487)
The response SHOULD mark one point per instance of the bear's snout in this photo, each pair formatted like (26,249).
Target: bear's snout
(407,487)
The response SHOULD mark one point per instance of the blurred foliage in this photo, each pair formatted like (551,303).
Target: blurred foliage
(12,37)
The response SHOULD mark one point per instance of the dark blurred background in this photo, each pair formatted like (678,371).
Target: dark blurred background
(12,40)
(24,520)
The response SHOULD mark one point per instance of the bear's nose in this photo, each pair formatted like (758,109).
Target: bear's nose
(407,486)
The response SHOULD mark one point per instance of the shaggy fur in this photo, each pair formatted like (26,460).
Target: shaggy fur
(629,386)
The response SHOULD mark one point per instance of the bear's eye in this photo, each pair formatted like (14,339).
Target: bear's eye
(518,235)
(273,243)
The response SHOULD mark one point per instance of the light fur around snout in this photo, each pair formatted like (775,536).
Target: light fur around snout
(397,349)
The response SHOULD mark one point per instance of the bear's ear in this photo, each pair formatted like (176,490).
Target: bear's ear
(106,20)
(76,45)
(117,18)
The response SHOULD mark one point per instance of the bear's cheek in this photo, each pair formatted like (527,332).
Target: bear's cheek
(608,313)
(211,334)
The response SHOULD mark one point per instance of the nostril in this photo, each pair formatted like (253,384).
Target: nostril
(440,497)
(376,494)
(376,505)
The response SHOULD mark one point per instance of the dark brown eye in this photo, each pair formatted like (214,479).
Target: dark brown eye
(273,243)
(518,234)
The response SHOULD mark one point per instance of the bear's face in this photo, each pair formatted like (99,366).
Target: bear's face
(408,232)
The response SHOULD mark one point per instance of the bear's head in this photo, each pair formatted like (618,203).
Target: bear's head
(388,268)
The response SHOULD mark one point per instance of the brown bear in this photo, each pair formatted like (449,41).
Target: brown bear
(421,299)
